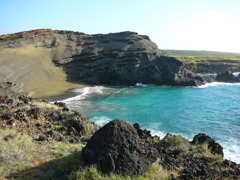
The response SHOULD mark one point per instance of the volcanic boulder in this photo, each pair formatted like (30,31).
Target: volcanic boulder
(118,148)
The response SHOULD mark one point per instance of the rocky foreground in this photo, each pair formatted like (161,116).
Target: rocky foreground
(44,121)
(117,147)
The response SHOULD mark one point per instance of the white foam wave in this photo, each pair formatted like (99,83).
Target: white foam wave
(231,150)
(207,74)
(84,92)
(218,84)
(142,85)
(160,134)
(236,74)
(101,120)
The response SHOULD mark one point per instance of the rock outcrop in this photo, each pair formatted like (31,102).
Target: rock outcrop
(124,58)
(44,121)
(202,158)
(120,148)
(214,147)
(227,77)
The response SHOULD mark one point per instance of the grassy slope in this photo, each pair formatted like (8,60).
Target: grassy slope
(32,67)
(219,60)
(199,53)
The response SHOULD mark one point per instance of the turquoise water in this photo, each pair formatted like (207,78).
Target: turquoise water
(213,109)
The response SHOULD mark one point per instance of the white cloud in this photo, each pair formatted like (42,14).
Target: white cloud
(212,31)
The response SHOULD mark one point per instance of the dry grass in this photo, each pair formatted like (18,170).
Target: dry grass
(24,34)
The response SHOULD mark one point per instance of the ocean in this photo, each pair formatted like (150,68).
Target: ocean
(213,109)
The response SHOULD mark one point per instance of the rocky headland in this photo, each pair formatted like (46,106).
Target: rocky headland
(51,58)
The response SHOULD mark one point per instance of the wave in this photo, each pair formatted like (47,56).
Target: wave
(218,84)
(101,121)
(231,150)
(85,92)
(160,134)
(142,85)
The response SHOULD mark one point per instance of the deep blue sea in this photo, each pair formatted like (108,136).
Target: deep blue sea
(213,109)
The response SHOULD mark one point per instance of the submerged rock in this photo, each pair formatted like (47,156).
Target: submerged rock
(120,148)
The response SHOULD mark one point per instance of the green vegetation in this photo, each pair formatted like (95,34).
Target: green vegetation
(219,61)
(62,160)
(156,172)
(203,150)
(196,59)
(15,149)
(208,61)
(175,141)
(180,143)
(199,53)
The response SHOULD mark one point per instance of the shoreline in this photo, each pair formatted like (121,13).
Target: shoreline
(53,89)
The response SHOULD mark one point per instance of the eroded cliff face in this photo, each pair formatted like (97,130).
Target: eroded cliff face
(123,58)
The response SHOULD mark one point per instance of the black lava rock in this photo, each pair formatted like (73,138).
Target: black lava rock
(215,147)
(227,77)
(118,148)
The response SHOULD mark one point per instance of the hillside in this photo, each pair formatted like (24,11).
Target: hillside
(48,62)
(26,61)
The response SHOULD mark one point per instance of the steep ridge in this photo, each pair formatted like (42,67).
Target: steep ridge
(49,56)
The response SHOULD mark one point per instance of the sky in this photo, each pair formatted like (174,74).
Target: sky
(212,25)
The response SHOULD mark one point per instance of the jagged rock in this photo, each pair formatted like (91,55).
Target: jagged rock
(60,104)
(227,77)
(213,146)
(25,98)
(44,123)
(118,148)
(187,158)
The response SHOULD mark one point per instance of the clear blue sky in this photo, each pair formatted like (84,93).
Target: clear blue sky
(172,24)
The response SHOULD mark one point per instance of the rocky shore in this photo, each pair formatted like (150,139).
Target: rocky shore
(44,121)
(116,148)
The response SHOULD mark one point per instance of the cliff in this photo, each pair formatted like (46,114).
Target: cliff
(48,58)
(214,65)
